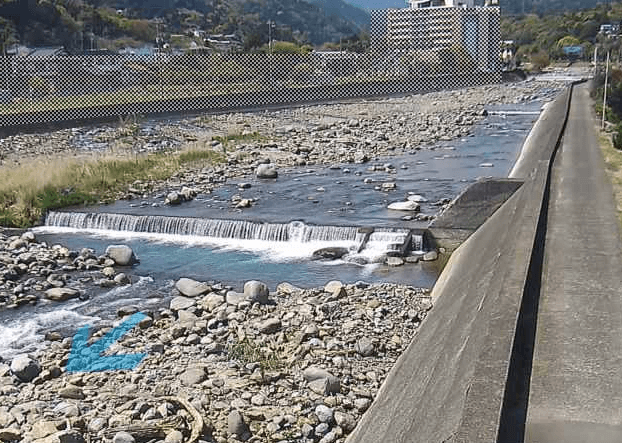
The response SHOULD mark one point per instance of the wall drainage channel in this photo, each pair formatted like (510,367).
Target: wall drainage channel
(516,397)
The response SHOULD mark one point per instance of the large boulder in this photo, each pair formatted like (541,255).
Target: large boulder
(25,368)
(61,294)
(329,253)
(404,206)
(256,292)
(192,288)
(266,171)
(122,255)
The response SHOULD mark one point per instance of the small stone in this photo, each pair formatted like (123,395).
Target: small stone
(330,437)
(180,303)
(66,409)
(324,414)
(25,368)
(307,431)
(121,279)
(322,429)
(235,298)
(237,426)
(388,186)
(287,288)
(310,331)
(10,434)
(430,256)
(321,381)
(97,424)
(269,326)
(404,206)
(123,437)
(73,392)
(395,261)
(42,429)
(258,399)
(346,421)
(174,437)
(211,301)
(266,171)
(364,347)
(192,288)
(361,404)
(336,288)
(193,376)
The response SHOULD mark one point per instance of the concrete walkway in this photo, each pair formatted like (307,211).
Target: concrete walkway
(576,382)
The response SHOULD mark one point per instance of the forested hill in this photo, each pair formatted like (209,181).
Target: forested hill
(546,6)
(131,22)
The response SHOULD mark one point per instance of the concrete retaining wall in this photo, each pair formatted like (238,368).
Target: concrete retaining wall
(457,381)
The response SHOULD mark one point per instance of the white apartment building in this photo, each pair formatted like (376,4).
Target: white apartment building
(433,26)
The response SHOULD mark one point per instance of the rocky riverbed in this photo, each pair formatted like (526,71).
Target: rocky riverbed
(255,365)
(289,365)
(353,132)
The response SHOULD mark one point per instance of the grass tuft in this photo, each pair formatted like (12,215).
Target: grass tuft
(28,191)
(248,351)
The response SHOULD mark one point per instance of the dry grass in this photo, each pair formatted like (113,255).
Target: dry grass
(613,162)
(28,191)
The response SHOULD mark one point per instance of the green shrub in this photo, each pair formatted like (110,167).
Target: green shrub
(617,137)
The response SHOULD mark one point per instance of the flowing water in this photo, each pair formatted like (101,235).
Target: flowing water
(304,210)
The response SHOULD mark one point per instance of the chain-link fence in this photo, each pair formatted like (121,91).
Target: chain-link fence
(410,50)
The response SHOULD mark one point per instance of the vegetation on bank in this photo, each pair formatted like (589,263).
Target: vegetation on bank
(613,163)
(540,39)
(611,137)
(29,190)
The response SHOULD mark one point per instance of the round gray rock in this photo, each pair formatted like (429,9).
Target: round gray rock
(123,437)
(192,288)
(324,413)
(364,347)
(25,368)
(266,171)
(256,292)
(61,294)
(121,254)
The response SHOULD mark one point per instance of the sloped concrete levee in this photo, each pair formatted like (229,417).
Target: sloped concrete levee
(462,379)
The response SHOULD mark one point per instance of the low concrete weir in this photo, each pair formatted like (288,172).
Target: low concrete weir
(465,376)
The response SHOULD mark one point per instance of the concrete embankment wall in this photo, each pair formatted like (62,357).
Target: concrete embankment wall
(463,377)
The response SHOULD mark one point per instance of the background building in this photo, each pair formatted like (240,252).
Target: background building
(451,34)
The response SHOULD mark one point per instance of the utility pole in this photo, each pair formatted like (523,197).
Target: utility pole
(602,125)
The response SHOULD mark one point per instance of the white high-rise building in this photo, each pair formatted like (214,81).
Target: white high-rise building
(420,4)
(440,31)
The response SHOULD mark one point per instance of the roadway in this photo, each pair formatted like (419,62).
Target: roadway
(576,381)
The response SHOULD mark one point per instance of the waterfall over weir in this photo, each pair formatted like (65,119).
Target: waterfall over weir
(230,233)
